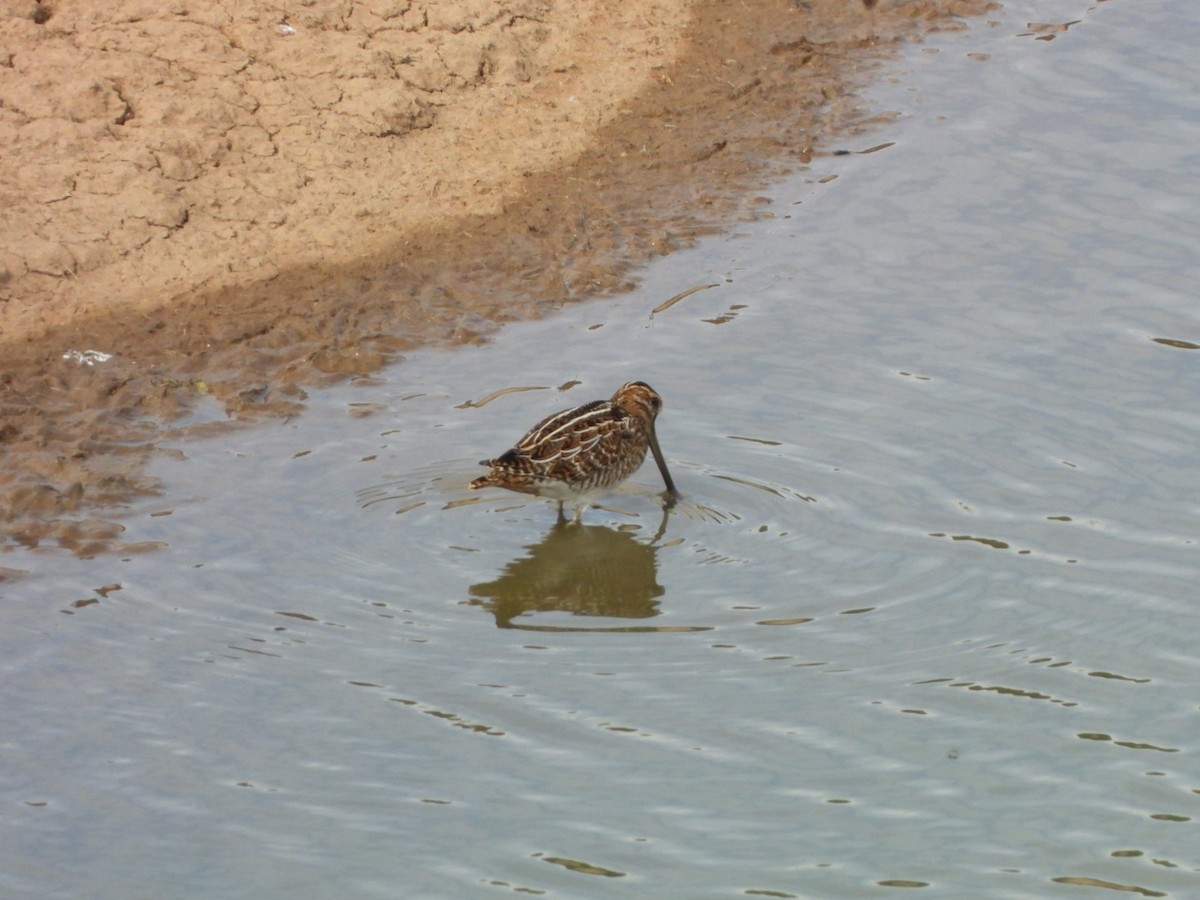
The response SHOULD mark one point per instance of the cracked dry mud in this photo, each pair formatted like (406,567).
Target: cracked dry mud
(245,199)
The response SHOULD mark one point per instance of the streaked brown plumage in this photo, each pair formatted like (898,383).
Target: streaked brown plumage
(577,453)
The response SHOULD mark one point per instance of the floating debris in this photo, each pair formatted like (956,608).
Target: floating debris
(87,357)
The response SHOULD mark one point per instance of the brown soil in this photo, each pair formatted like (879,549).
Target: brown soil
(243,199)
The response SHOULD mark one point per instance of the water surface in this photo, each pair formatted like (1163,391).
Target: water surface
(925,617)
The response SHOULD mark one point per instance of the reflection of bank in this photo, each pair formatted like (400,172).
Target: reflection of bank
(588,570)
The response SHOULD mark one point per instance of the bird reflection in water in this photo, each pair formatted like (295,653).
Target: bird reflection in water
(585,570)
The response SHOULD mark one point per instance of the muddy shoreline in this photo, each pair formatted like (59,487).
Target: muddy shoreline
(536,162)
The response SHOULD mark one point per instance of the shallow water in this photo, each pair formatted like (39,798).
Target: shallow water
(925,617)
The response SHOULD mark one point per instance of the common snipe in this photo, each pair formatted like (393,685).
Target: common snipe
(577,453)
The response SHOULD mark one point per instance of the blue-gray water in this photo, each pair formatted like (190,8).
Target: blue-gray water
(926,617)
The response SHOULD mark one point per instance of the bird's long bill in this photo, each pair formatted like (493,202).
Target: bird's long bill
(662,465)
